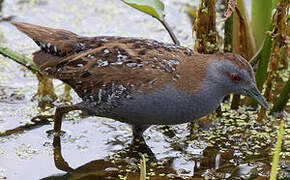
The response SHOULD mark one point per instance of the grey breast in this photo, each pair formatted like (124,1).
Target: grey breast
(168,106)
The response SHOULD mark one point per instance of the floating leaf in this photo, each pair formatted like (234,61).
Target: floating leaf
(154,8)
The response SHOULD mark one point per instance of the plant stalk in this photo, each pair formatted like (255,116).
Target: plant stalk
(20,59)
(169,30)
(277,152)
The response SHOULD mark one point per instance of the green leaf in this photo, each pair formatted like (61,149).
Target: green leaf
(262,57)
(281,102)
(154,8)
(261,19)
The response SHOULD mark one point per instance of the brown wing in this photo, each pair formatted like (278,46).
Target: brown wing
(123,61)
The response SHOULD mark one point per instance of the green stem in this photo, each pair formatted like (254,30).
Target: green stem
(169,30)
(21,59)
(277,152)
(143,168)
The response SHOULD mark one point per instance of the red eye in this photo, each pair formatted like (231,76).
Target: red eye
(236,77)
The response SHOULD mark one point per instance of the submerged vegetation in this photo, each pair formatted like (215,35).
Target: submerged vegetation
(241,140)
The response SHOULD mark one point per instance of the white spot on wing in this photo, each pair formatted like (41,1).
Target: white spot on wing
(99,96)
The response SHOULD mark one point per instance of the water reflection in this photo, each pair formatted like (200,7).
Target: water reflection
(124,162)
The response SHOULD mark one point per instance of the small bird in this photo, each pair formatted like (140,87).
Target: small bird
(141,82)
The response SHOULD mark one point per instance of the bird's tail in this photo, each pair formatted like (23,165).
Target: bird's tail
(54,43)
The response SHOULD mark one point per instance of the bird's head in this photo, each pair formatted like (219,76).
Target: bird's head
(233,74)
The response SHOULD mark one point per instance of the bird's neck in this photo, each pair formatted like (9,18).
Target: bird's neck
(207,100)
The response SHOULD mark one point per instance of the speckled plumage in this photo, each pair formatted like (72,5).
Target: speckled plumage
(137,81)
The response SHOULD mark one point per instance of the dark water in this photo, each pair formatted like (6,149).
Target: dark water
(235,146)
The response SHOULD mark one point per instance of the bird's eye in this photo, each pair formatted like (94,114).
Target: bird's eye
(236,77)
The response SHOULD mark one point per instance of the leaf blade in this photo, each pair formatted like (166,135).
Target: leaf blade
(154,8)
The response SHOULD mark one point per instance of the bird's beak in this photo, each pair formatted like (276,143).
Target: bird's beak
(257,96)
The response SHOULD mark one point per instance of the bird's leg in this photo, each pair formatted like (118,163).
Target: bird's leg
(138,132)
(59,112)
(139,145)
(59,161)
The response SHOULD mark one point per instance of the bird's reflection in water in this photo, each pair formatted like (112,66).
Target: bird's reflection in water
(124,162)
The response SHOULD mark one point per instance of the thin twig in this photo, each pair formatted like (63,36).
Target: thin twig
(169,30)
